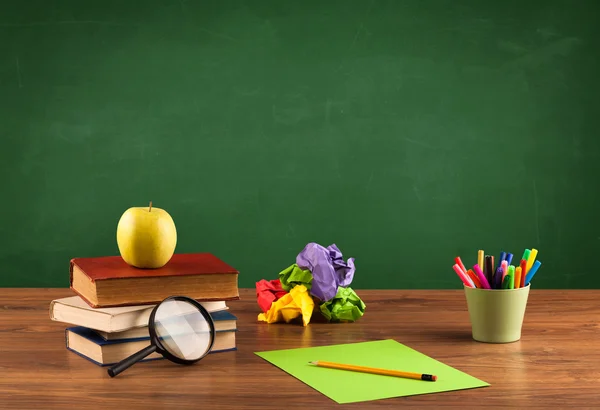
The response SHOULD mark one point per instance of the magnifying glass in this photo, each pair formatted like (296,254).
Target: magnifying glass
(180,328)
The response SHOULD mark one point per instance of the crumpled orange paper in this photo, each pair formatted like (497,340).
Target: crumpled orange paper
(297,302)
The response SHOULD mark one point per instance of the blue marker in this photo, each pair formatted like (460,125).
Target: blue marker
(509,258)
(502,257)
(532,271)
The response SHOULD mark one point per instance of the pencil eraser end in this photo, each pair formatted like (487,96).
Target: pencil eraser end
(434,378)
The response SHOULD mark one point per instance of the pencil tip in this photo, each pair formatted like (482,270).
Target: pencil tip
(312,362)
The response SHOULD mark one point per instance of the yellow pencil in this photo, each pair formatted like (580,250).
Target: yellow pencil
(373,370)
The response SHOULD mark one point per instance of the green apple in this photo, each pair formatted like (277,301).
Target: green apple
(146,237)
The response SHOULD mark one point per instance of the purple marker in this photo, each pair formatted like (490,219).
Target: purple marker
(498,278)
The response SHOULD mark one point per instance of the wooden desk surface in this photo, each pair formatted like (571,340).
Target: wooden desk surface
(555,364)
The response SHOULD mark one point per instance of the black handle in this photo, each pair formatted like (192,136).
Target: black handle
(131,360)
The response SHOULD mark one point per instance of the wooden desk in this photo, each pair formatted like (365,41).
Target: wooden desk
(555,365)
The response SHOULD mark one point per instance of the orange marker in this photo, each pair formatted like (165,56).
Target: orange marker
(518,277)
(474,278)
(523,272)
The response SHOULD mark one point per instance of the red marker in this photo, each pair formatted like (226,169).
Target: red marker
(459,263)
(474,278)
(463,276)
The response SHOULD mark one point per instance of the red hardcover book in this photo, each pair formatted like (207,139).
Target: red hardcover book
(109,281)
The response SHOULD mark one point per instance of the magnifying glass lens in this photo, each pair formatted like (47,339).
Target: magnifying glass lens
(182,329)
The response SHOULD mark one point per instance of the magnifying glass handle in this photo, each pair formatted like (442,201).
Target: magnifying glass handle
(131,360)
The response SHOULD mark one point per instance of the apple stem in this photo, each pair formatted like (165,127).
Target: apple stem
(150,207)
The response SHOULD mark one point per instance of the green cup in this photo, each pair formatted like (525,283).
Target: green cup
(496,314)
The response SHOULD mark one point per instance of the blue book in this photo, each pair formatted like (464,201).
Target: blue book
(88,343)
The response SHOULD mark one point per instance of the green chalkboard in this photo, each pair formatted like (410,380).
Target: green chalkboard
(406,132)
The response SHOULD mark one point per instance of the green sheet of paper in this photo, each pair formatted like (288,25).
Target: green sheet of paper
(345,386)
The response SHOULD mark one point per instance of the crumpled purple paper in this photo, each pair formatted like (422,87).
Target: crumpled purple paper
(328,269)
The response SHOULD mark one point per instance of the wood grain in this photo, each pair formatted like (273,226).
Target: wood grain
(554,365)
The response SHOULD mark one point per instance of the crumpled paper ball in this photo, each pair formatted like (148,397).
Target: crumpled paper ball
(294,275)
(296,303)
(345,306)
(268,292)
(328,269)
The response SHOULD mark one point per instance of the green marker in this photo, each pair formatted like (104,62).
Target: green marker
(506,281)
(526,254)
(509,279)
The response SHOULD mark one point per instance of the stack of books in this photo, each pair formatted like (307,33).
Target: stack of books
(108,315)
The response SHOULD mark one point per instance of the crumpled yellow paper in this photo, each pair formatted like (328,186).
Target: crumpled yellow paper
(297,302)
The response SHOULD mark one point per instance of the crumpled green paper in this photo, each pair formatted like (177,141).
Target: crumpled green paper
(294,275)
(345,306)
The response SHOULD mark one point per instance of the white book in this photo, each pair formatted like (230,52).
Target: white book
(74,310)
(223,321)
